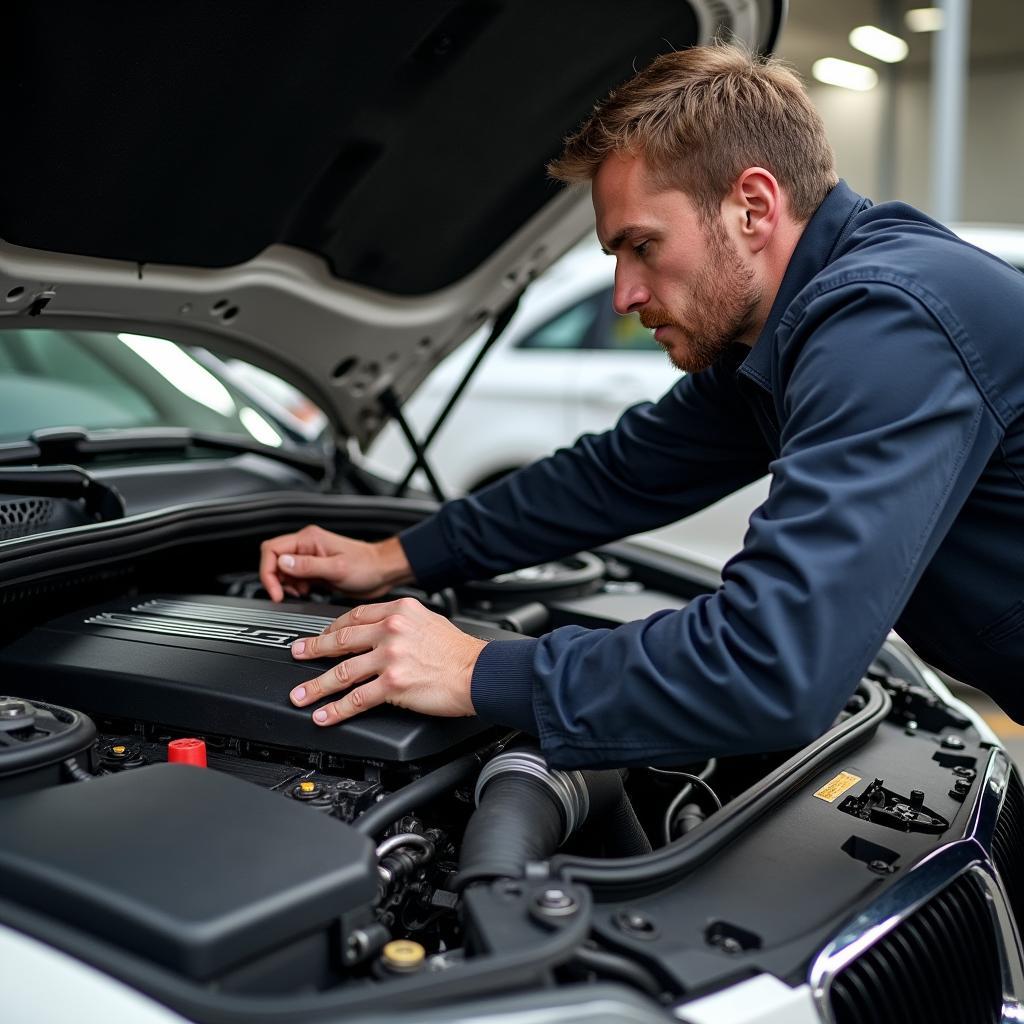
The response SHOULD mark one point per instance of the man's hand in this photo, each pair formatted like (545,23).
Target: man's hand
(289,563)
(420,660)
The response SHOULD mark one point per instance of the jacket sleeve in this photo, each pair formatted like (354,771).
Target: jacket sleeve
(662,461)
(884,434)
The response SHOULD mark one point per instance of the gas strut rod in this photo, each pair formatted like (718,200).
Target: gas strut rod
(419,450)
(390,404)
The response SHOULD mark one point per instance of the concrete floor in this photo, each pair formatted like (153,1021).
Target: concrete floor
(1009,731)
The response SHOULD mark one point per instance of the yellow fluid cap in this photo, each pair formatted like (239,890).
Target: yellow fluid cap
(403,954)
(119,749)
(307,786)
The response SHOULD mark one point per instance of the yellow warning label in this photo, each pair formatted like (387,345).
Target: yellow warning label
(837,787)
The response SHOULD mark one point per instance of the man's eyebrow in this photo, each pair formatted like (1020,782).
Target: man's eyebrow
(623,236)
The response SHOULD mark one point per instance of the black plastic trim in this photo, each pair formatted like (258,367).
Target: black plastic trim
(486,975)
(29,559)
(63,444)
(633,876)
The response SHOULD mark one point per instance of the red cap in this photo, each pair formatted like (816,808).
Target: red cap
(188,751)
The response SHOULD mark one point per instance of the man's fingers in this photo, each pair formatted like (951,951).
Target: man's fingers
(357,630)
(367,614)
(362,698)
(340,677)
(314,567)
(269,554)
(337,641)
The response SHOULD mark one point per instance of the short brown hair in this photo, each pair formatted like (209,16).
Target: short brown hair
(700,117)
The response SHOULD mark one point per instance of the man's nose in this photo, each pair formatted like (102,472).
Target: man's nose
(630,293)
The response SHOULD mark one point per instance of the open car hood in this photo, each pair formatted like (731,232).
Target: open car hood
(339,193)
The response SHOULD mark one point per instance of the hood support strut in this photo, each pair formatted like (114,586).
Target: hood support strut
(389,402)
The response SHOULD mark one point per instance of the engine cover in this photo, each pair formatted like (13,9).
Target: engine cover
(212,664)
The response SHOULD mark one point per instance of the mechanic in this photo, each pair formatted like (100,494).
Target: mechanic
(864,355)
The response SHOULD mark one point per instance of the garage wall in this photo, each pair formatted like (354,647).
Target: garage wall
(994,140)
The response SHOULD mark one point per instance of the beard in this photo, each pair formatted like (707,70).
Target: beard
(721,308)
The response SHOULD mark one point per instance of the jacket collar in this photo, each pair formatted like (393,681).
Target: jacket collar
(815,250)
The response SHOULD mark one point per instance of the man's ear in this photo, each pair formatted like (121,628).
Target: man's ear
(753,207)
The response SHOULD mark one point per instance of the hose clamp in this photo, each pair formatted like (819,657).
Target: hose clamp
(569,788)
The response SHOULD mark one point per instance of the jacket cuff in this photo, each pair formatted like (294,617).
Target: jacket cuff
(429,554)
(502,685)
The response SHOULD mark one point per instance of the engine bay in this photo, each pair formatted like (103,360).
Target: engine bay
(149,679)
(166,809)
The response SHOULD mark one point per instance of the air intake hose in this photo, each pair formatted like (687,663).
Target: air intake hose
(525,811)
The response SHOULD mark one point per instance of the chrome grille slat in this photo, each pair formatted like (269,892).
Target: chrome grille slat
(1007,844)
(940,964)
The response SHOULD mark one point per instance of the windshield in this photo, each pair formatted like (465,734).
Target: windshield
(99,379)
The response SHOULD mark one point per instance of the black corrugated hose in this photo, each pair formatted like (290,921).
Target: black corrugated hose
(520,819)
(624,835)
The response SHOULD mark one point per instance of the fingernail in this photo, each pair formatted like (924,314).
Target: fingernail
(298,648)
(320,716)
(286,562)
(299,693)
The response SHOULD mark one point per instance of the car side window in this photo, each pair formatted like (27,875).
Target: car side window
(570,329)
(627,334)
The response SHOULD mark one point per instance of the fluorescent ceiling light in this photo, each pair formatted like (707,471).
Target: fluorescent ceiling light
(878,44)
(259,427)
(181,370)
(844,73)
(924,19)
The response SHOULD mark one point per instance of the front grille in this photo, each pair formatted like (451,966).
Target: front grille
(939,966)
(1008,847)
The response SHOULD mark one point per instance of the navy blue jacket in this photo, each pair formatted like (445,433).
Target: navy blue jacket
(885,396)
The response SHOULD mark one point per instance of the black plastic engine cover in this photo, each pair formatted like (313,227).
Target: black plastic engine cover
(187,866)
(213,665)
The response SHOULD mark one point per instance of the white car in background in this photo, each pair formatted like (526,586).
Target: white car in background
(566,365)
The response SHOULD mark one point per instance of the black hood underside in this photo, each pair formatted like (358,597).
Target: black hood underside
(403,142)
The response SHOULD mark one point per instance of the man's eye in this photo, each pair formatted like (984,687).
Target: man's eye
(641,249)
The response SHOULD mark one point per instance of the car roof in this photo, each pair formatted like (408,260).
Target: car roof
(1003,240)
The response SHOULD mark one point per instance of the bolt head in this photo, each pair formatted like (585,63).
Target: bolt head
(555,898)
(636,924)
(556,903)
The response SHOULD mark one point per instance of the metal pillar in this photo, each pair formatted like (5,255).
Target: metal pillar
(949,90)
(889,12)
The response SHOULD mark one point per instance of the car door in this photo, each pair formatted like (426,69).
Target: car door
(520,406)
(622,365)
